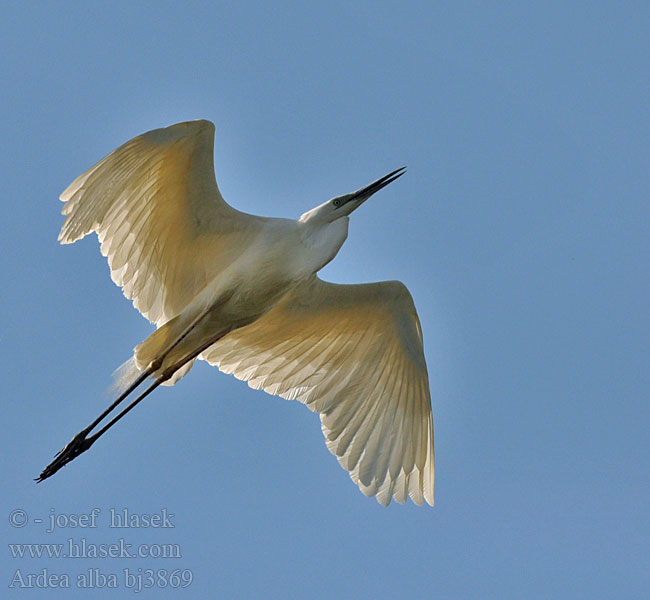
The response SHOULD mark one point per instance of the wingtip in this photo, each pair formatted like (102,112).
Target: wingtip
(198,124)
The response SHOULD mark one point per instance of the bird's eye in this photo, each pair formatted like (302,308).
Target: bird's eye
(336,202)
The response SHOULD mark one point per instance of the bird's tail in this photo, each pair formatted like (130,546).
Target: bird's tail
(124,376)
(152,348)
(156,344)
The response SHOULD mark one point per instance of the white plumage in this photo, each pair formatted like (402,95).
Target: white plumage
(241,292)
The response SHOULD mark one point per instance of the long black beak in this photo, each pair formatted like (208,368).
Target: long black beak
(365,192)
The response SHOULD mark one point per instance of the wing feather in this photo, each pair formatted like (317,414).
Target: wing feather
(354,354)
(159,217)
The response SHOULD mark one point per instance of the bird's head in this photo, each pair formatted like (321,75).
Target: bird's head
(342,206)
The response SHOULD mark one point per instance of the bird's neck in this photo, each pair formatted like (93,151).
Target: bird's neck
(323,240)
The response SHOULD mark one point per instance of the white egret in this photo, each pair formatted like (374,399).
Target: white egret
(241,292)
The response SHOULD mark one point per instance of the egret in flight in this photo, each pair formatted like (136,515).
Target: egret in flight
(242,293)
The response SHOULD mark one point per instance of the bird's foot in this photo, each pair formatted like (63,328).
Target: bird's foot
(79,444)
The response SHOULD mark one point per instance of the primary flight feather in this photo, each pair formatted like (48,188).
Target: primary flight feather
(241,292)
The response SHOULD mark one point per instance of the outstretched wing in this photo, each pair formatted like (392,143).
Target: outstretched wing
(159,216)
(354,354)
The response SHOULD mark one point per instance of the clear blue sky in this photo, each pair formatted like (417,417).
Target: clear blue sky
(521,229)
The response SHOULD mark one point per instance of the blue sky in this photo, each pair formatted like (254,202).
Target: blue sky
(521,230)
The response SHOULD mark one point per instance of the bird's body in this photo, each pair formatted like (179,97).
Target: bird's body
(241,292)
(267,269)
